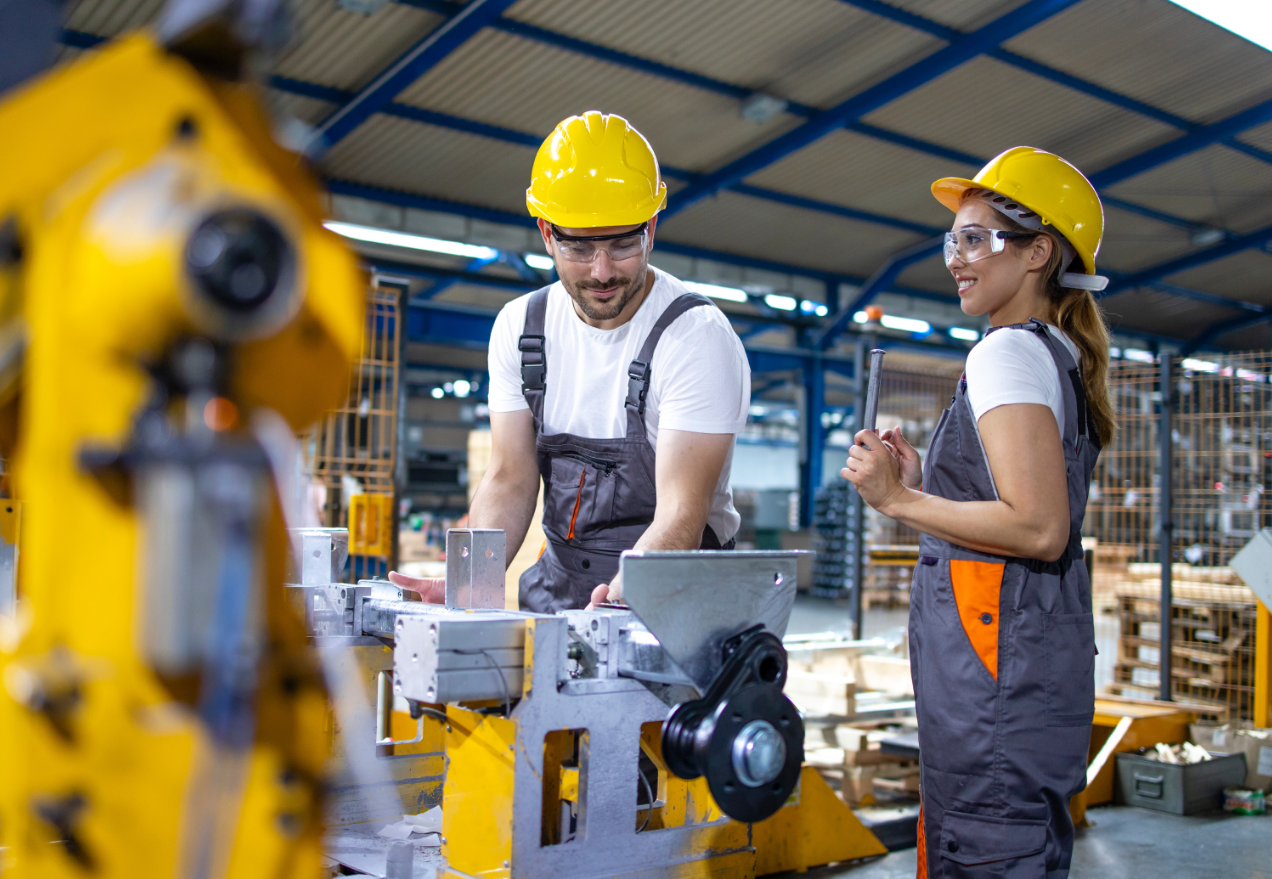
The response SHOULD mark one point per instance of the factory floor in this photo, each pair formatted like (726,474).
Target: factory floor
(1129,842)
(1123,841)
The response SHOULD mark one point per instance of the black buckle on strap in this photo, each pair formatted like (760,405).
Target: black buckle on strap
(534,366)
(637,385)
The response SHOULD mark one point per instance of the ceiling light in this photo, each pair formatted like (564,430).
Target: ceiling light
(733,294)
(1204,236)
(1138,354)
(1199,365)
(414,242)
(1253,21)
(905,324)
(965,334)
(860,317)
(540,262)
(437,393)
(822,311)
(462,388)
(760,107)
(778,301)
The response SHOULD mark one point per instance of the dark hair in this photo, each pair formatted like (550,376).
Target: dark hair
(1078,314)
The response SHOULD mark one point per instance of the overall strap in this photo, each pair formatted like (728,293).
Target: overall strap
(638,376)
(534,363)
(1075,412)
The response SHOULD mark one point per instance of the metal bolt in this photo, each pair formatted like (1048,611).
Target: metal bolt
(759,753)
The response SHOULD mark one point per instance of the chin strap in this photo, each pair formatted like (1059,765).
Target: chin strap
(1094,283)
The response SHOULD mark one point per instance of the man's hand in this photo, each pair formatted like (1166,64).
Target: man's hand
(607,593)
(431,589)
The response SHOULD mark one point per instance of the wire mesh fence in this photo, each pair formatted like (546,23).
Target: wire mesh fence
(1221,461)
(354,449)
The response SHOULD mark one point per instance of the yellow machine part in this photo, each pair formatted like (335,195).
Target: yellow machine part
(98,184)
(371,524)
(814,828)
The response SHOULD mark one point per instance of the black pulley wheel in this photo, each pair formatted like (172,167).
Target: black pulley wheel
(753,756)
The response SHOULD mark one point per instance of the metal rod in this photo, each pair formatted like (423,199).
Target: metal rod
(1165,527)
(872,390)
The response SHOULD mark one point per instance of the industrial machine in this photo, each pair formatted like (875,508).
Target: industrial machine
(171,313)
(646,740)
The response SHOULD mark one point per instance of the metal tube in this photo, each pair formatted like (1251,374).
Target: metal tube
(1165,527)
(872,390)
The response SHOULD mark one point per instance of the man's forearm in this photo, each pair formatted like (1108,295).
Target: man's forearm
(505,504)
(674,529)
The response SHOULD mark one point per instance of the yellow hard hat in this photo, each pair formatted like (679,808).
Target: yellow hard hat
(595,170)
(1045,184)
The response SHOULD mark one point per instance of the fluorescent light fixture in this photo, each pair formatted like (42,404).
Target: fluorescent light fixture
(540,262)
(965,334)
(462,388)
(732,294)
(1199,365)
(1249,375)
(821,311)
(756,411)
(1245,18)
(1138,354)
(905,324)
(437,393)
(1115,352)
(860,317)
(414,242)
(778,301)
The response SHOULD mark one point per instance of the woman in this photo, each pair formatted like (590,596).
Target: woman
(1002,643)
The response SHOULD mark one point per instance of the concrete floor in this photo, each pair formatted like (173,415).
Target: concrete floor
(1128,843)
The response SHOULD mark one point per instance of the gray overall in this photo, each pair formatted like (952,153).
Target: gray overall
(1002,655)
(598,494)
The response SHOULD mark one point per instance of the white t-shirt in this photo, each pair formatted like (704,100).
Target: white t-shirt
(700,378)
(1015,366)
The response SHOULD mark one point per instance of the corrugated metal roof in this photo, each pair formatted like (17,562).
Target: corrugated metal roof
(1216,185)
(530,87)
(861,172)
(817,52)
(1156,312)
(1156,52)
(1242,276)
(813,51)
(336,47)
(740,224)
(985,107)
(398,154)
(110,17)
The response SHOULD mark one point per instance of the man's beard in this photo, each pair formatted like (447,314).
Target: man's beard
(613,307)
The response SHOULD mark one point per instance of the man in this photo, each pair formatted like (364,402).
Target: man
(617,386)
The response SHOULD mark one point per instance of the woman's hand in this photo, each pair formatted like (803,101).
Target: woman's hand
(431,589)
(874,470)
(910,463)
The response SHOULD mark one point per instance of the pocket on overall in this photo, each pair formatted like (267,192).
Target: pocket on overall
(983,846)
(581,500)
(977,587)
(1069,643)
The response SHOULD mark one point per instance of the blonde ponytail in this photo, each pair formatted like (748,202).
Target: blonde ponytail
(1082,320)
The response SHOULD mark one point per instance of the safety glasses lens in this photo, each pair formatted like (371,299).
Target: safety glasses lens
(617,248)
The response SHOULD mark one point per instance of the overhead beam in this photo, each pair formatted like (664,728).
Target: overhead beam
(918,74)
(410,66)
(878,283)
(1236,245)
(1222,328)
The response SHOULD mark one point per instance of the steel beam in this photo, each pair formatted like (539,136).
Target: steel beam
(812,438)
(1150,275)
(918,74)
(414,63)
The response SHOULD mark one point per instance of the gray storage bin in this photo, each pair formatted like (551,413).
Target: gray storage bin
(1181,789)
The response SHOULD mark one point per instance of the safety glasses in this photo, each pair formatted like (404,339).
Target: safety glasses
(584,248)
(975,243)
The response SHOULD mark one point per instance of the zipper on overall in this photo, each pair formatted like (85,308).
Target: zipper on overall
(601,465)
